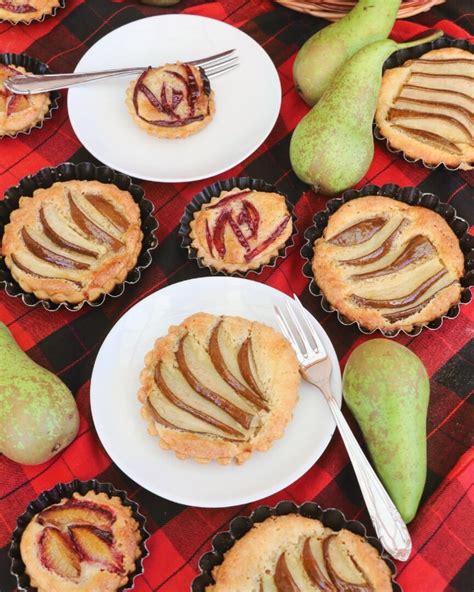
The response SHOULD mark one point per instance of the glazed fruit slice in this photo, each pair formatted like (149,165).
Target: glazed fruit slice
(77,512)
(96,545)
(58,553)
(17,8)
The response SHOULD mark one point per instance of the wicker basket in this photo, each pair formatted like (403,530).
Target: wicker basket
(333,10)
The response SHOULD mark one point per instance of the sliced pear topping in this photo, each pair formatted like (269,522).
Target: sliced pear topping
(314,565)
(342,562)
(217,358)
(184,423)
(245,365)
(194,363)
(284,580)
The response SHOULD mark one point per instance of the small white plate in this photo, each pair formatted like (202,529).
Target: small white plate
(123,432)
(247,99)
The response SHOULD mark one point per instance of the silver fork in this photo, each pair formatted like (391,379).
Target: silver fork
(316,368)
(37,83)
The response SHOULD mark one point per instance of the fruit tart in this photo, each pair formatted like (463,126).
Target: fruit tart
(25,11)
(218,388)
(426,108)
(85,543)
(19,112)
(172,101)
(73,241)
(241,229)
(388,265)
(293,553)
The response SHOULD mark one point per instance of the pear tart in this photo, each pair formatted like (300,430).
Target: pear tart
(83,544)
(388,265)
(73,241)
(426,108)
(241,229)
(26,10)
(297,554)
(217,388)
(19,112)
(172,101)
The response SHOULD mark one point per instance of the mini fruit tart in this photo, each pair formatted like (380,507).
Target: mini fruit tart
(295,553)
(388,265)
(218,388)
(85,543)
(19,112)
(73,241)
(172,101)
(241,229)
(426,108)
(25,11)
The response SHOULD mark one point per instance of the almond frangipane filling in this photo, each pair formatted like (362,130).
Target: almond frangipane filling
(210,390)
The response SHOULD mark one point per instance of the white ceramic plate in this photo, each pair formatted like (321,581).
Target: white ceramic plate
(123,432)
(247,99)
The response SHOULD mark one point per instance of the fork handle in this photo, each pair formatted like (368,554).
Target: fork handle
(388,524)
(39,83)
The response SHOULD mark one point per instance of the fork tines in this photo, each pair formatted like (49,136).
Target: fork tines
(297,327)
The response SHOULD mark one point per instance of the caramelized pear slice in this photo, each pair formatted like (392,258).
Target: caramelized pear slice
(108,211)
(90,228)
(314,570)
(50,256)
(57,553)
(220,365)
(284,581)
(240,415)
(245,366)
(349,563)
(178,402)
(60,241)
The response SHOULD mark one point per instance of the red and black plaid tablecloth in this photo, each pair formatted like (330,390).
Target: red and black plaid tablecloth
(67,343)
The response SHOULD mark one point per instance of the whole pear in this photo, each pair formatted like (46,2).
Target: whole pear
(38,414)
(387,389)
(332,147)
(327,50)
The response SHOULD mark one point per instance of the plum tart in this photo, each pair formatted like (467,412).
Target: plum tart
(73,241)
(26,10)
(19,112)
(293,553)
(388,265)
(218,388)
(426,108)
(172,101)
(241,229)
(84,543)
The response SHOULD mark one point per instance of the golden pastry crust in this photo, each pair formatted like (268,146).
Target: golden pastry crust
(254,562)
(73,241)
(410,256)
(260,217)
(34,10)
(218,432)
(405,95)
(125,538)
(169,98)
(19,112)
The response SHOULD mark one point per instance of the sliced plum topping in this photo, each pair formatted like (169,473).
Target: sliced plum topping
(209,239)
(77,512)
(219,229)
(58,553)
(238,233)
(96,545)
(229,198)
(268,241)
(17,8)
(17,103)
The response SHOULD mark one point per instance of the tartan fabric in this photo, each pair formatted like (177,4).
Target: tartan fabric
(68,343)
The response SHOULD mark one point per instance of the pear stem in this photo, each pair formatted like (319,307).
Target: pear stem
(432,37)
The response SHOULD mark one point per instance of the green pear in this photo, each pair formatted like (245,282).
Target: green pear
(332,147)
(38,414)
(387,389)
(327,50)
